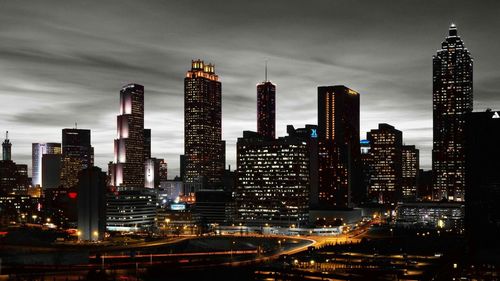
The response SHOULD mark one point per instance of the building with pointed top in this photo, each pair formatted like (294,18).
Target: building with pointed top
(452,100)
(266,108)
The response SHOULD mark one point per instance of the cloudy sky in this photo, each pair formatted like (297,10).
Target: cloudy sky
(63,62)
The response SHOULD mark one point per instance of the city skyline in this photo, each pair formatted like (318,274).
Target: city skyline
(51,60)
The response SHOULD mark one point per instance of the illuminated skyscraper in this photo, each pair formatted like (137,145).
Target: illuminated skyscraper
(452,99)
(386,165)
(6,148)
(38,150)
(127,170)
(272,185)
(339,150)
(266,108)
(410,161)
(204,149)
(77,154)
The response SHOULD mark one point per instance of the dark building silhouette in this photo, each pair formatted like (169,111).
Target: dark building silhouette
(6,148)
(452,99)
(127,169)
(77,154)
(410,161)
(266,108)
(424,185)
(339,151)
(482,210)
(51,171)
(204,149)
(386,164)
(91,204)
(366,165)
(214,206)
(272,185)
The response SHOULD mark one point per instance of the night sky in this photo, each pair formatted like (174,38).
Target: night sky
(63,62)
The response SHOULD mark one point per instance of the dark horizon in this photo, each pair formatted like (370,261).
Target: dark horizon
(64,63)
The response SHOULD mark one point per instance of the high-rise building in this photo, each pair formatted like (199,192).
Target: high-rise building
(386,164)
(77,154)
(147,144)
(51,171)
(482,193)
(452,99)
(91,204)
(266,108)
(6,148)
(410,161)
(203,147)
(127,170)
(339,150)
(366,166)
(272,185)
(38,150)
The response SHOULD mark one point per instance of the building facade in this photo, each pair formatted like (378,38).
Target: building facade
(386,164)
(339,150)
(452,100)
(77,154)
(38,150)
(6,148)
(204,149)
(127,169)
(410,161)
(266,108)
(91,204)
(272,181)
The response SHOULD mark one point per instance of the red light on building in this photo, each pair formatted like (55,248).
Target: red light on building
(72,195)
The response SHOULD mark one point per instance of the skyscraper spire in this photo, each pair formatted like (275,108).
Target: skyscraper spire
(265,80)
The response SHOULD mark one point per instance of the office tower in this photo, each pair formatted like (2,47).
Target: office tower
(482,192)
(130,210)
(6,148)
(386,164)
(424,185)
(266,108)
(366,166)
(51,171)
(339,151)
(162,170)
(127,169)
(309,135)
(38,150)
(91,204)
(77,154)
(410,167)
(272,181)
(147,144)
(203,147)
(22,179)
(452,99)
(155,171)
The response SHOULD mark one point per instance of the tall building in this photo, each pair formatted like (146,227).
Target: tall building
(6,148)
(482,193)
(155,171)
(203,147)
(147,144)
(386,164)
(51,171)
(272,185)
(77,154)
(127,170)
(38,150)
(91,204)
(266,108)
(410,168)
(339,150)
(452,99)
